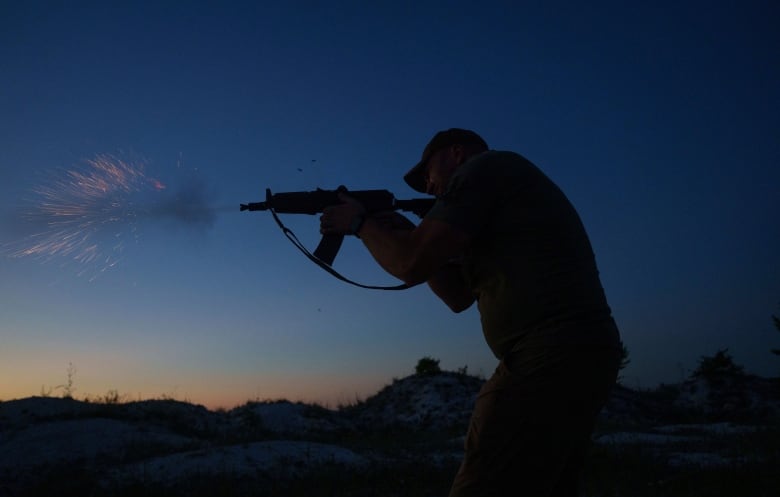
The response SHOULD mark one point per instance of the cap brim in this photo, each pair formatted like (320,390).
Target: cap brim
(416,177)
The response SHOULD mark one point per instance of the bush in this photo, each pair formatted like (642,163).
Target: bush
(427,366)
(718,366)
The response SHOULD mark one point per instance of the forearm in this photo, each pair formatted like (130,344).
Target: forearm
(393,249)
(398,252)
(411,254)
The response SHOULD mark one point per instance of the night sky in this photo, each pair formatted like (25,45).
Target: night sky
(659,122)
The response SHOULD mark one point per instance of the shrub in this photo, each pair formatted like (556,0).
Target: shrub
(718,366)
(427,366)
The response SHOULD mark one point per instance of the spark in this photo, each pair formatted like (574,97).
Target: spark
(74,214)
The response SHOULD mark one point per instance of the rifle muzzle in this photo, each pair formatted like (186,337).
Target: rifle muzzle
(254,206)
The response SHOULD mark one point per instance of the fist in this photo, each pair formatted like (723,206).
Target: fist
(339,219)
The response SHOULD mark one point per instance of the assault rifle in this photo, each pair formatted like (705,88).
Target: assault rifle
(316,201)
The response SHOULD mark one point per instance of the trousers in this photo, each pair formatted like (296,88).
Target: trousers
(530,429)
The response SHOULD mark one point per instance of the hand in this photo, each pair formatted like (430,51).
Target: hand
(340,219)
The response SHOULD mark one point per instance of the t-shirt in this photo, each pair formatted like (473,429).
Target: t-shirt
(530,264)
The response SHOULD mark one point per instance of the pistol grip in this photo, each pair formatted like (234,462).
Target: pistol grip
(328,248)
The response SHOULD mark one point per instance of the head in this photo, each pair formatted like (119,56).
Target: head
(446,151)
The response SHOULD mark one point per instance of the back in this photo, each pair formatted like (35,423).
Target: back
(530,266)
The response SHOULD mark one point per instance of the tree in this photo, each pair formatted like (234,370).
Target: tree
(718,366)
(427,366)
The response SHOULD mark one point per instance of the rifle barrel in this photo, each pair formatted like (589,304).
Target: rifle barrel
(254,206)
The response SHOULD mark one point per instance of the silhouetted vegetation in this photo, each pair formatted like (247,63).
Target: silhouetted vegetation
(717,366)
(427,366)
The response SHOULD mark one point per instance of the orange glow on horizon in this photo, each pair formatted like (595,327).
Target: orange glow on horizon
(330,391)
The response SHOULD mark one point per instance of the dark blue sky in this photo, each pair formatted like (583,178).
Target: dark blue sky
(658,121)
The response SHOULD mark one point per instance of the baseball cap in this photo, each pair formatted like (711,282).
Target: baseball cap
(443,139)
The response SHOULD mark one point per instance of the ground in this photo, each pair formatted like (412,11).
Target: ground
(700,437)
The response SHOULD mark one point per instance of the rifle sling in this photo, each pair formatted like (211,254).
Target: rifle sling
(324,265)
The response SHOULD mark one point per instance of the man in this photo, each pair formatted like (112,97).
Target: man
(502,234)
